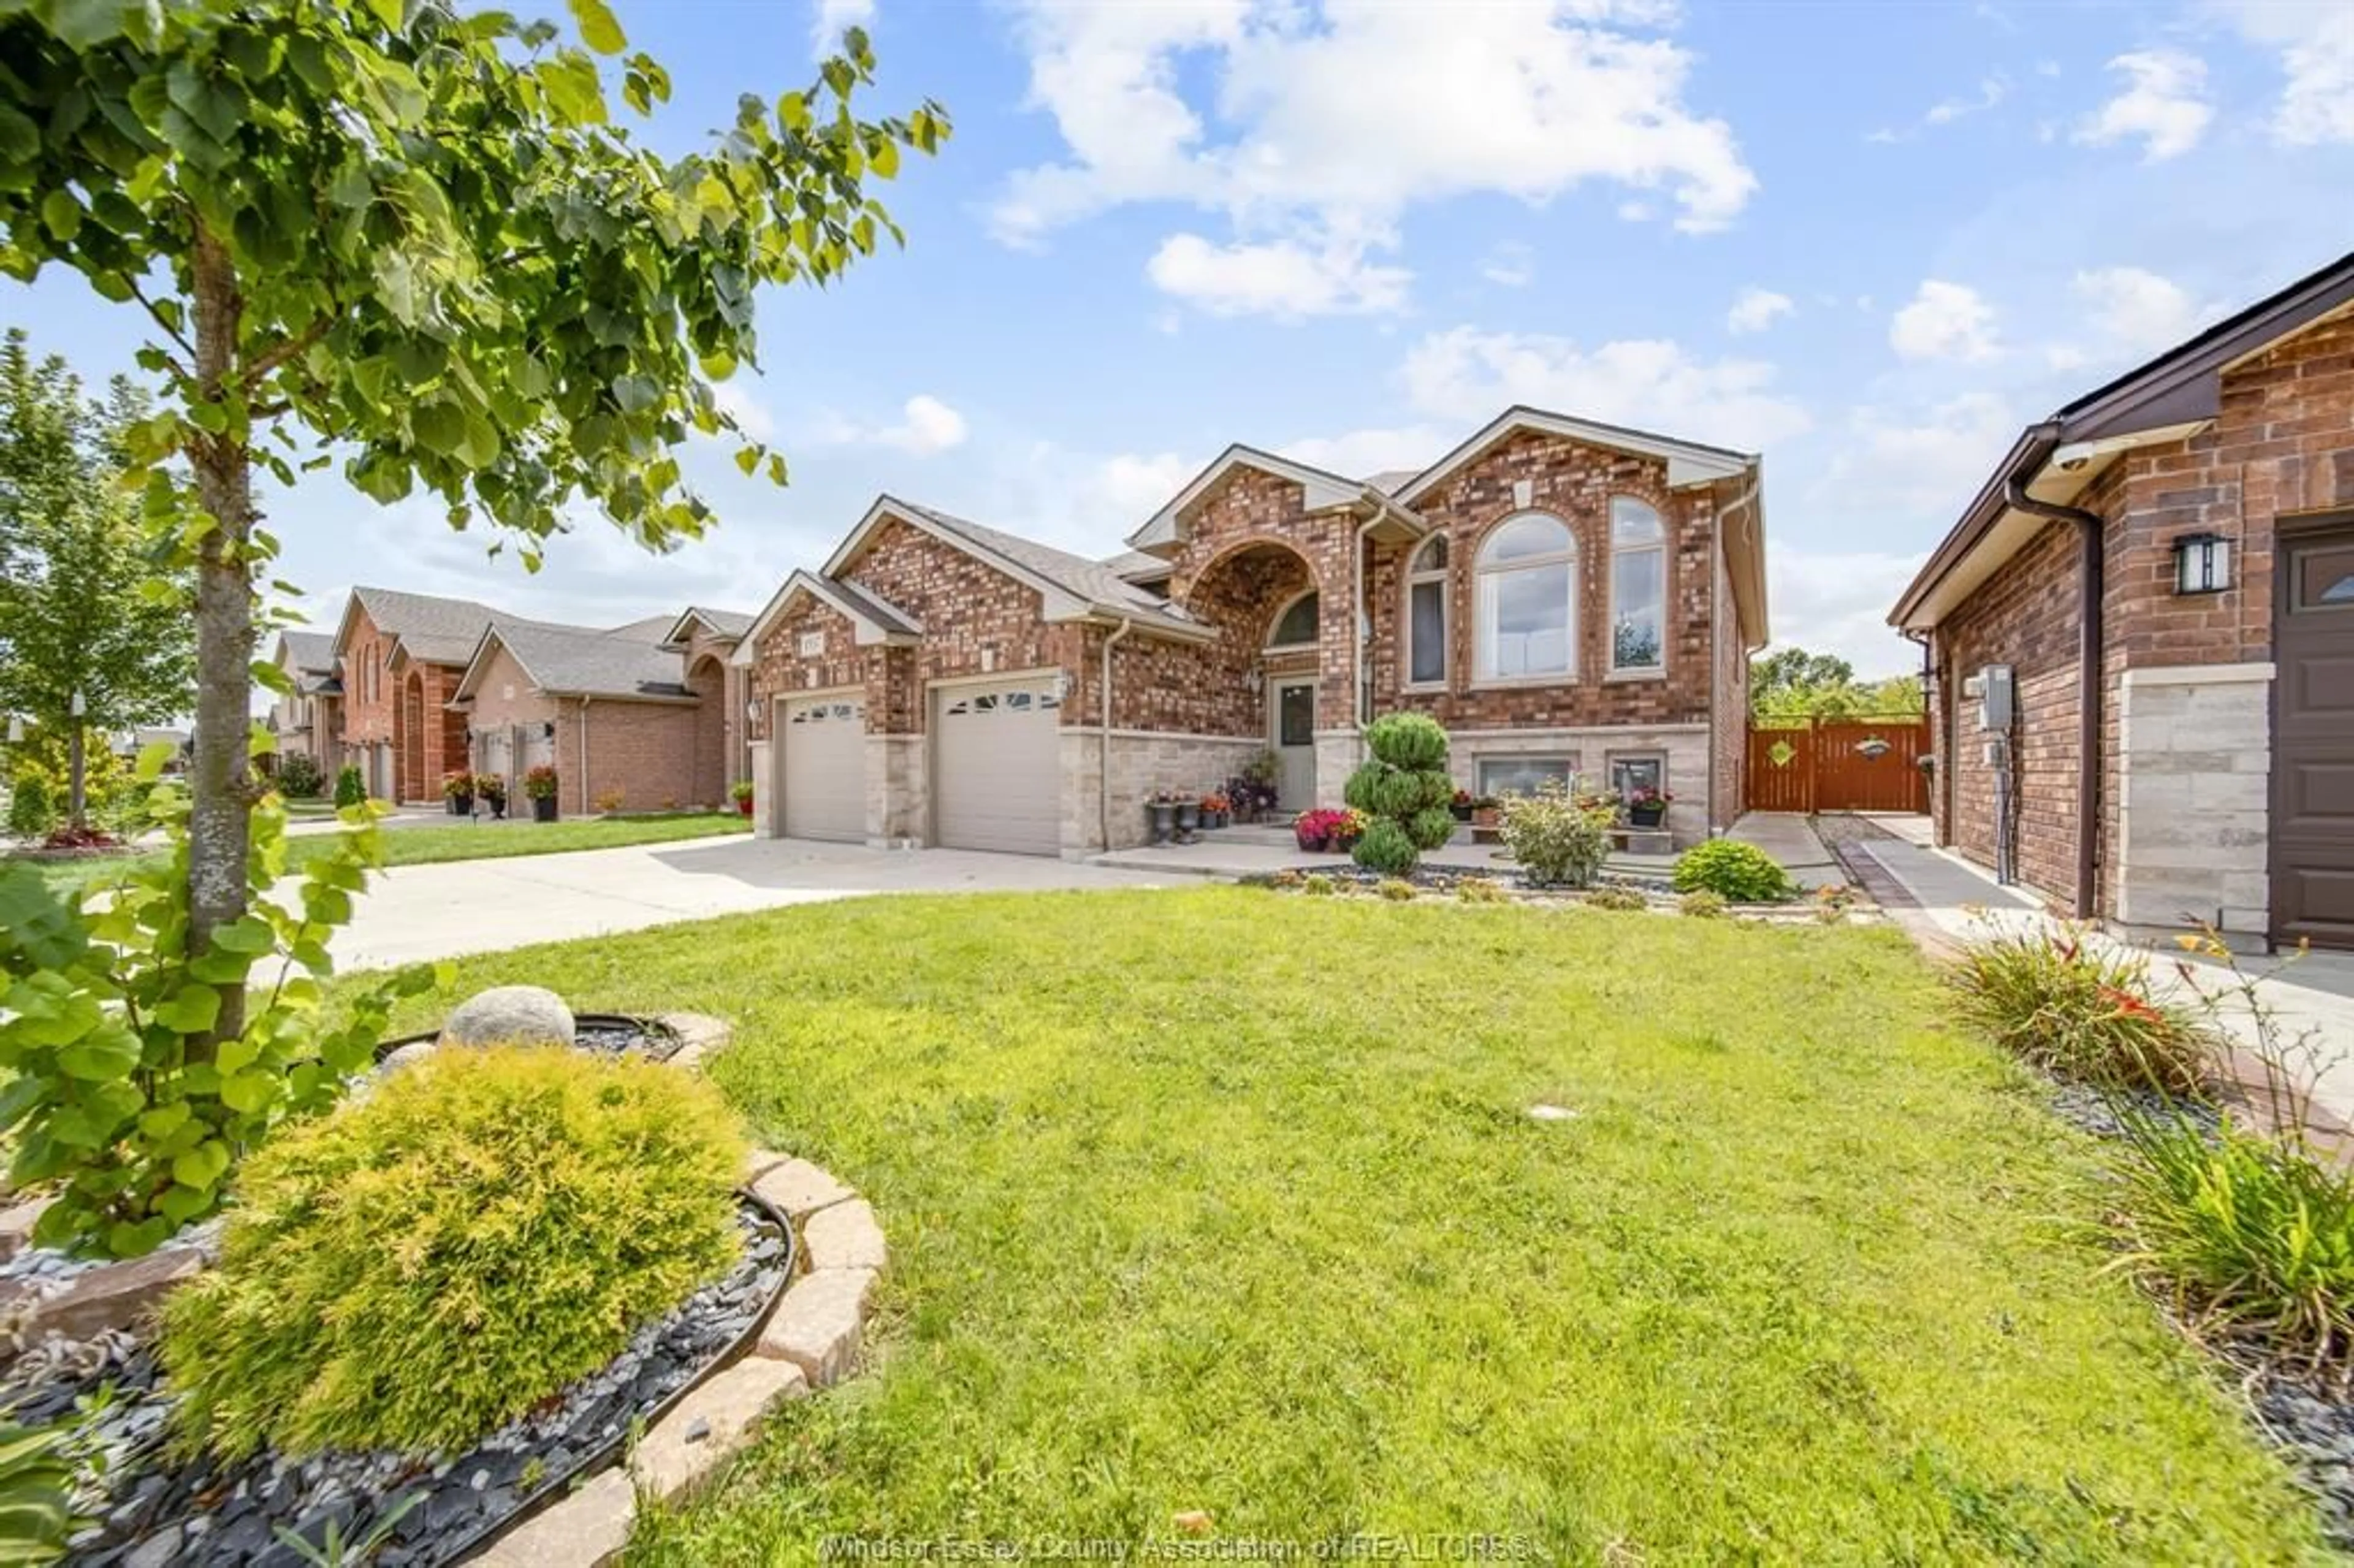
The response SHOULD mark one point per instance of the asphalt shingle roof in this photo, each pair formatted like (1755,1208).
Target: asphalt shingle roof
(727,622)
(431,631)
(312,651)
(1093,581)
(577,661)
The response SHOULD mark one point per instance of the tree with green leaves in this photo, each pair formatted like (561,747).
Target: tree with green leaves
(82,607)
(1791,686)
(416,232)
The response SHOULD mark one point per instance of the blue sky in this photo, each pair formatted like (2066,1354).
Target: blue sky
(1871,240)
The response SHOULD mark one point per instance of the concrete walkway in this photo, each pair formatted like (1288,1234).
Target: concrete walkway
(2311,1000)
(1790,837)
(413,912)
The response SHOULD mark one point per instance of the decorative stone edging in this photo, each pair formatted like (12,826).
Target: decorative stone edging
(809,1341)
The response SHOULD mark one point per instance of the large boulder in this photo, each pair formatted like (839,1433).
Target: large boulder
(510,1015)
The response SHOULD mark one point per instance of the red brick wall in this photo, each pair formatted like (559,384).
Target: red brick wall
(366,652)
(1574,483)
(645,750)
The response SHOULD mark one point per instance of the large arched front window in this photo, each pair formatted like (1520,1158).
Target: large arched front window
(1527,600)
(1425,614)
(1638,586)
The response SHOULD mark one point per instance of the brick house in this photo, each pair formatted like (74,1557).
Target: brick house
(308,719)
(2160,578)
(644,713)
(1567,598)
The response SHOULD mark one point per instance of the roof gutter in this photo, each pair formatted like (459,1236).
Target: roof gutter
(2090,649)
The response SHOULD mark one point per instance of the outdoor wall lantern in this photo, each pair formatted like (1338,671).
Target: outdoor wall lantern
(2202,563)
(547,730)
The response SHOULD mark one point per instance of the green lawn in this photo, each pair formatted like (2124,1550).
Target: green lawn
(458,841)
(1227,1200)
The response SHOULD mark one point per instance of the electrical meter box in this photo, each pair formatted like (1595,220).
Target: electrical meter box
(1992,689)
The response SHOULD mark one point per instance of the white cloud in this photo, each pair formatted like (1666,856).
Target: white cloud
(1511,265)
(1944,321)
(2164,103)
(1991,90)
(1332,120)
(830,17)
(2136,309)
(1837,602)
(926,426)
(2316,48)
(1283,278)
(1756,309)
(1927,467)
(1466,375)
(1361,454)
(1135,485)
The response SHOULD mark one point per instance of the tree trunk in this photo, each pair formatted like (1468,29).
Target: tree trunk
(220,798)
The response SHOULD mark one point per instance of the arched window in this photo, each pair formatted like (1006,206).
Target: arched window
(1528,600)
(1296,627)
(1638,586)
(1425,614)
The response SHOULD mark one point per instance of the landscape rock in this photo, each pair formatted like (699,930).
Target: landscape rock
(699,1036)
(816,1327)
(510,1014)
(116,1296)
(845,1235)
(800,1189)
(16,1226)
(414,1051)
(726,1411)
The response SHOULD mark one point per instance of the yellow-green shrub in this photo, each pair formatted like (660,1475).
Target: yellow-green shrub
(417,1268)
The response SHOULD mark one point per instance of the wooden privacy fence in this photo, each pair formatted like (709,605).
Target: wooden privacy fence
(1847,764)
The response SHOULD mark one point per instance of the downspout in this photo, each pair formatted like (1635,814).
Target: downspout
(583,754)
(1716,647)
(1103,751)
(2092,580)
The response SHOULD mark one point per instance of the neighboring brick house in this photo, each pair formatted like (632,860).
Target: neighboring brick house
(308,719)
(706,639)
(402,654)
(2179,545)
(609,710)
(1567,598)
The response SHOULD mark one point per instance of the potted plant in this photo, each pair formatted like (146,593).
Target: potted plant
(1188,817)
(491,789)
(1347,829)
(741,793)
(1460,807)
(540,785)
(1260,776)
(1161,810)
(1217,809)
(1486,812)
(457,788)
(1318,831)
(1647,807)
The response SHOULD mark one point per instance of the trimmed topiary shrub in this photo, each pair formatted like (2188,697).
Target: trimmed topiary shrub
(428,1263)
(1404,792)
(1732,870)
(350,788)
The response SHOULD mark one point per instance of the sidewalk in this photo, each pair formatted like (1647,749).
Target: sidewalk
(1944,901)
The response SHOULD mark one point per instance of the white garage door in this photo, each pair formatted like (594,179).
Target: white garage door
(825,768)
(998,768)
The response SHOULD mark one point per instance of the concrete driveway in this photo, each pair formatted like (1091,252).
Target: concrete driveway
(421,912)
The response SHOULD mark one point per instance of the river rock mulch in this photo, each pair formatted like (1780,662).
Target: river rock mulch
(155,1510)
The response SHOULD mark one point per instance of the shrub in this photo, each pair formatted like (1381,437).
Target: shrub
(1558,838)
(31,813)
(299,778)
(1739,871)
(1478,890)
(1318,884)
(2079,1012)
(1625,900)
(1703,904)
(350,791)
(608,801)
(539,783)
(2245,1232)
(425,1264)
(1397,890)
(1404,792)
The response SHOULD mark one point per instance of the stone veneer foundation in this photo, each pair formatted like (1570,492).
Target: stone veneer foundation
(2194,763)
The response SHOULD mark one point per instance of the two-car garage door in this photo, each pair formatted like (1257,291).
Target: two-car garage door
(825,768)
(996,766)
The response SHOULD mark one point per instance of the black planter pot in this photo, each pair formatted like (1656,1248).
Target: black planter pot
(543,808)
(1188,817)
(1164,819)
(499,810)
(461,805)
(1645,816)
(1462,813)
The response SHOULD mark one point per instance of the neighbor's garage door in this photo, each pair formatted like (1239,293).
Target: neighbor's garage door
(999,773)
(825,768)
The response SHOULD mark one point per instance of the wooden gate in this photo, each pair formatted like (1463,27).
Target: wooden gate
(1847,764)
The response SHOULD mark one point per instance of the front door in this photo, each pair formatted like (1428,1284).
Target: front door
(2313,740)
(1291,725)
